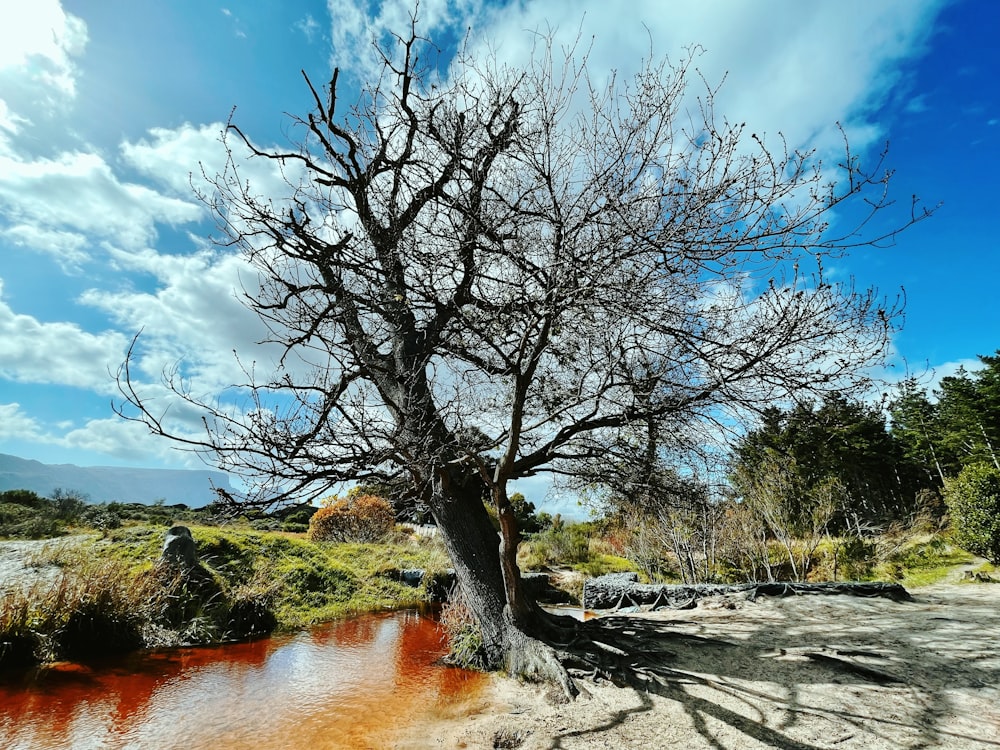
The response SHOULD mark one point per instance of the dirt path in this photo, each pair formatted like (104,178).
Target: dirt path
(22,562)
(807,672)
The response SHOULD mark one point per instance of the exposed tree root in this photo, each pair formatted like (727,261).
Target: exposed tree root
(536,661)
(620,650)
(846,660)
(637,652)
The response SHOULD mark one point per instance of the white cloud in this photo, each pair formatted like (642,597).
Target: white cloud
(790,67)
(38,43)
(68,248)
(308,26)
(191,156)
(194,314)
(79,191)
(355,25)
(928,377)
(946,370)
(16,425)
(173,157)
(126,441)
(113,437)
(10,121)
(59,353)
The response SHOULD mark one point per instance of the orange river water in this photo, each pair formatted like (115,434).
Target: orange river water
(353,684)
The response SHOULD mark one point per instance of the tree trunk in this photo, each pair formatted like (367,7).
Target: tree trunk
(472,545)
(523,607)
(512,625)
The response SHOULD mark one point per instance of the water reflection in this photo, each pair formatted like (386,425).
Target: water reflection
(353,684)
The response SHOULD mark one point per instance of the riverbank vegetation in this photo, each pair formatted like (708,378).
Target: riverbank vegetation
(111,593)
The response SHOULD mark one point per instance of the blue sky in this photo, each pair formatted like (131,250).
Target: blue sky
(106,108)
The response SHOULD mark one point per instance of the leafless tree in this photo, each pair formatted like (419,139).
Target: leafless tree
(503,272)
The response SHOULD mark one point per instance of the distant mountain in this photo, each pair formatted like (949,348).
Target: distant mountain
(112,483)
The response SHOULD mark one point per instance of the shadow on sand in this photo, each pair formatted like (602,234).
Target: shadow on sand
(805,673)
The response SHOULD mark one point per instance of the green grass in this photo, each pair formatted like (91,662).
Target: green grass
(111,593)
(924,560)
(600,564)
(309,582)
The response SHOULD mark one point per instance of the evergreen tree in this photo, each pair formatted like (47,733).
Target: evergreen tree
(969,409)
(838,441)
(916,431)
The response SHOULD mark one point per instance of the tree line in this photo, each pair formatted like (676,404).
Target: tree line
(881,464)
(842,466)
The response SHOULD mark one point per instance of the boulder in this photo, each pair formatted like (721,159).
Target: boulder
(412,576)
(439,585)
(179,548)
(540,587)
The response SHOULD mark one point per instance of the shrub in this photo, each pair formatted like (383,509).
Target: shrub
(27,522)
(855,558)
(26,498)
(14,513)
(296,515)
(95,609)
(68,505)
(357,518)
(561,545)
(266,524)
(101,518)
(461,633)
(974,503)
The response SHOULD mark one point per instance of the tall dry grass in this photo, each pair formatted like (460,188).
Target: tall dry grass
(93,608)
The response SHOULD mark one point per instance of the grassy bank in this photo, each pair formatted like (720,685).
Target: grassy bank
(112,596)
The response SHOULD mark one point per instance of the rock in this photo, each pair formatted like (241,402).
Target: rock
(620,590)
(540,587)
(179,548)
(412,576)
(440,584)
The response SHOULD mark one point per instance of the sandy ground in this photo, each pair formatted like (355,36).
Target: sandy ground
(18,561)
(804,672)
